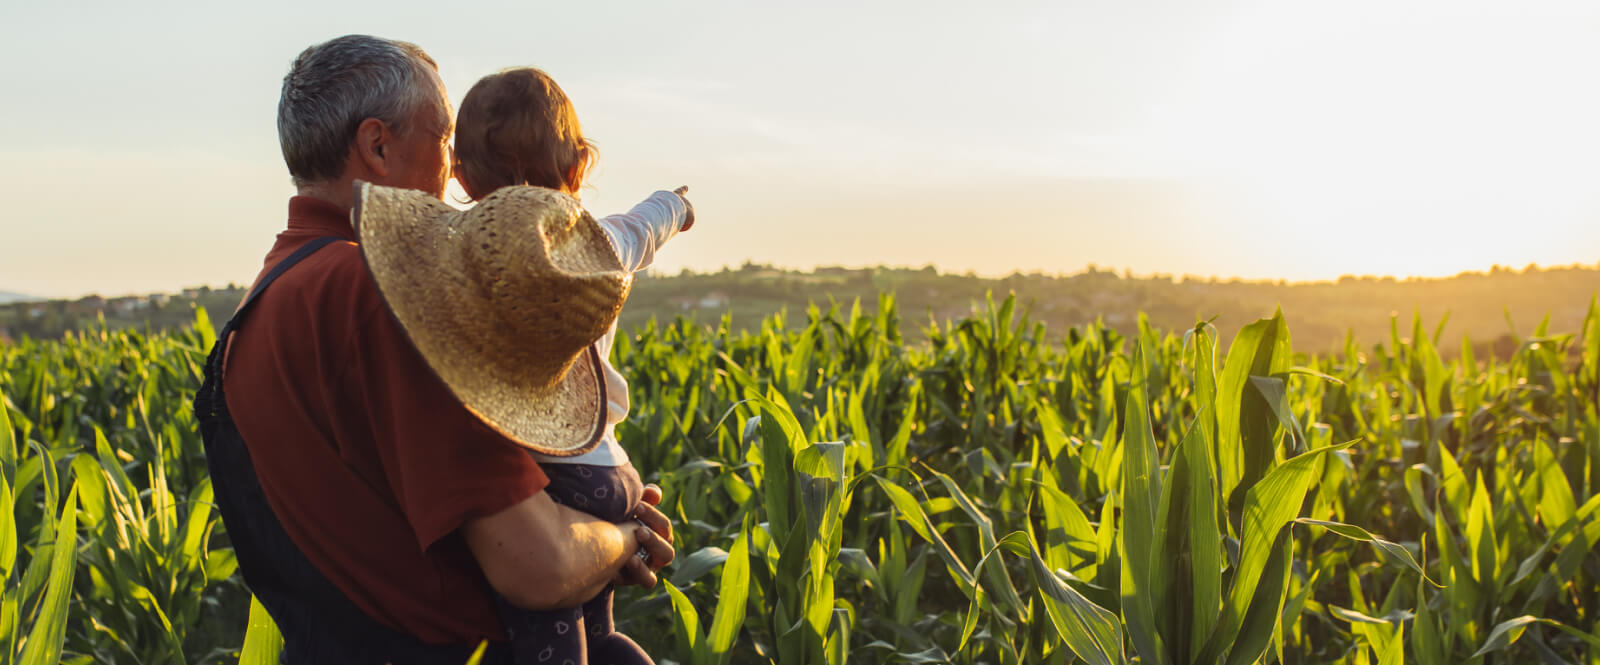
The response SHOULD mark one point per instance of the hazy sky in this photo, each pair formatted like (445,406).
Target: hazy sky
(1293,140)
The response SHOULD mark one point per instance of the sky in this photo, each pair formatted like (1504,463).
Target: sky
(1254,139)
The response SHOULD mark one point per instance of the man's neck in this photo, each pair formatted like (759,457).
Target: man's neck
(338,192)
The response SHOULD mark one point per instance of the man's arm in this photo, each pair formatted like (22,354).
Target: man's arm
(541,555)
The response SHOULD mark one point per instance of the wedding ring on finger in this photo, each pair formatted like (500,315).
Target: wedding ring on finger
(643,554)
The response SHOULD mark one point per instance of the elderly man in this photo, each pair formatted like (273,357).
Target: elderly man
(376,518)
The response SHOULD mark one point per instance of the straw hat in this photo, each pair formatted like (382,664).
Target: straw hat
(504,301)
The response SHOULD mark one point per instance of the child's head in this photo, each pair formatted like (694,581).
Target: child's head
(517,127)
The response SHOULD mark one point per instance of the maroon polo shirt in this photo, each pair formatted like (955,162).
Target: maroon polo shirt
(365,456)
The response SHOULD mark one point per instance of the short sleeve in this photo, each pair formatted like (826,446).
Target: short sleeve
(444,465)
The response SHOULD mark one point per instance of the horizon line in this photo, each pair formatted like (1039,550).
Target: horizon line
(1088,269)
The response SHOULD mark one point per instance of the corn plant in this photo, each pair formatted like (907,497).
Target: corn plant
(34,605)
(1000,493)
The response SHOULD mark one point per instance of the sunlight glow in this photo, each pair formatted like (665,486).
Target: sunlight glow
(1382,142)
(1255,139)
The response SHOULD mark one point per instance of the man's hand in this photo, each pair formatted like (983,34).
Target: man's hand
(654,534)
(688,221)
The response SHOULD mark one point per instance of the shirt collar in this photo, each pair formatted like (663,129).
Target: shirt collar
(308,214)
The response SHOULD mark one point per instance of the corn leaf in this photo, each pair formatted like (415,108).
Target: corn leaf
(1508,632)
(43,646)
(731,598)
(1092,632)
(1269,507)
(1138,545)
(687,627)
(262,642)
(1389,549)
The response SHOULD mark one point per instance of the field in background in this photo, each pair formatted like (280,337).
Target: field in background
(1491,309)
(1001,491)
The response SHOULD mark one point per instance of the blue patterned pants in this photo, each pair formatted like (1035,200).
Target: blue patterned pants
(583,635)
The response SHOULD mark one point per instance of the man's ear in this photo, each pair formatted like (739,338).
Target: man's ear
(373,143)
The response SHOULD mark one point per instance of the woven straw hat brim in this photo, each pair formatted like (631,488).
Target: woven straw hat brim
(504,302)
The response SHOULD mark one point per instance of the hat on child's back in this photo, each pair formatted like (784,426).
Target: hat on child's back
(505,301)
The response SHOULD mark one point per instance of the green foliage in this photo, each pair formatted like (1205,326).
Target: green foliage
(1104,497)
(263,644)
(107,413)
(995,494)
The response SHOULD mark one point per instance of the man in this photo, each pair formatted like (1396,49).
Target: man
(394,499)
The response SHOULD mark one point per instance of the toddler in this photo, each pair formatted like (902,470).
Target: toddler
(517,127)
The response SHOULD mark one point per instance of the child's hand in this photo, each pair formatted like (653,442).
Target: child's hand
(689,220)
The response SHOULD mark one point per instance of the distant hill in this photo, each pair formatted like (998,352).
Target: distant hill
(1491,309)
(8,297)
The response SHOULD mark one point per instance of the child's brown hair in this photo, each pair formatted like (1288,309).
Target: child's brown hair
(517,127)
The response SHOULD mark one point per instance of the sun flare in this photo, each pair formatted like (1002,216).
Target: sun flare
(1411,145)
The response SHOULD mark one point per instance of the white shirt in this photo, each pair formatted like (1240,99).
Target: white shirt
(635,236)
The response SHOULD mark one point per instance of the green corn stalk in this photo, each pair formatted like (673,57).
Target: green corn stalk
(1094,494)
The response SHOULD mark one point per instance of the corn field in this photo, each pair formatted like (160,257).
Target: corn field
(998,494)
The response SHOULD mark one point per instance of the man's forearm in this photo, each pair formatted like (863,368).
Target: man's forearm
(597,551)
(541,555)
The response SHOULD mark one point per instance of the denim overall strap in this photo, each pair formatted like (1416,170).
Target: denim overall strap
(319,623)
(207,400)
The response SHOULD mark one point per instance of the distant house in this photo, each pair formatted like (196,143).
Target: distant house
(159,299)
(87,305)
(36,311)
(191,293)
(127,305)
(714,300)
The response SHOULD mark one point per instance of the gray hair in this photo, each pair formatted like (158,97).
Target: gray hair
(334,86)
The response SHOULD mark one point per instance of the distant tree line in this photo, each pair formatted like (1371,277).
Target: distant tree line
(1489,308)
